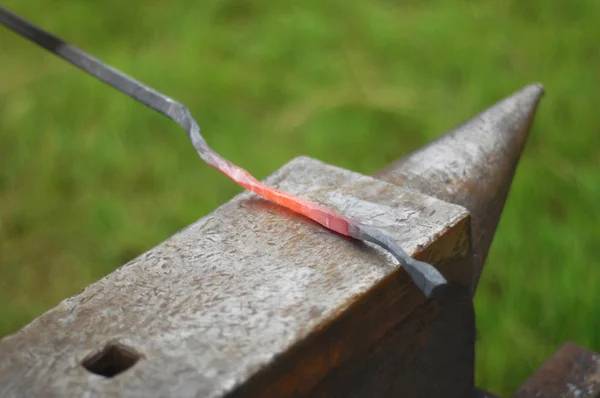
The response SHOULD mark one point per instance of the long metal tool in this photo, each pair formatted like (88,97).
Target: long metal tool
(425,276)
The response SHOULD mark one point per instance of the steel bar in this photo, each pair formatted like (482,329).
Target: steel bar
(425,276)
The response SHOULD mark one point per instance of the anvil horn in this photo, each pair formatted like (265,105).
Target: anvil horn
(473,165)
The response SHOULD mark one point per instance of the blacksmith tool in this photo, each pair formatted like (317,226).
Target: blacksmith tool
(425,276)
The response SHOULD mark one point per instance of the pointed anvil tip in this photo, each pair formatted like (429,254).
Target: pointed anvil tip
(473,165)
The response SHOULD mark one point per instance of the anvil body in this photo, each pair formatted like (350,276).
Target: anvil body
(254,301)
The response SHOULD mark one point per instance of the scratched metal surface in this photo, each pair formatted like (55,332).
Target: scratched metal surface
(473,165)
(222,298)
(572,372)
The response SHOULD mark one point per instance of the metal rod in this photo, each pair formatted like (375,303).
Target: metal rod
(425,276)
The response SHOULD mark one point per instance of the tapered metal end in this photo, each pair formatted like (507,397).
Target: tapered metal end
(473,165)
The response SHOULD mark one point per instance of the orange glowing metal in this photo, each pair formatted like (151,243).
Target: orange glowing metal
(316,212)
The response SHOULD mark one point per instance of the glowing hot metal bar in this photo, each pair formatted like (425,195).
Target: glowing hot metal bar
(425,276)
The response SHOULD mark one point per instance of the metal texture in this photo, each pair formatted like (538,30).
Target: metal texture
(251,300)
(572,372)
(425,276)
(473,165)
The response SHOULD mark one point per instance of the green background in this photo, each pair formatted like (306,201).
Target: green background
(89,179)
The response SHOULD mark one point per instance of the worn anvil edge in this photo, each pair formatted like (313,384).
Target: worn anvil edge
(403,299)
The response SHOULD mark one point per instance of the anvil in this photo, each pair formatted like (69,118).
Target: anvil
(253,300)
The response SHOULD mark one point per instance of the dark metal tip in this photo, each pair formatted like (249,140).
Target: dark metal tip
(473,165)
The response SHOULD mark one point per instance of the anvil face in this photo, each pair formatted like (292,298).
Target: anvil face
(224,298)
(413,219)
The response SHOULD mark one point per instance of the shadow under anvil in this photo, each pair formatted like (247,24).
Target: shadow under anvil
(440,364)
(473,165)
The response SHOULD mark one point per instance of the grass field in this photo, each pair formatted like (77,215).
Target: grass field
(90,179)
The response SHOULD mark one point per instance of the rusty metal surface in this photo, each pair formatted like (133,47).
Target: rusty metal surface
(237,292)
(473,165)
(572,372)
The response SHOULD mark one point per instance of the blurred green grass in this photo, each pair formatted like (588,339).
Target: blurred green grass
(90,179)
